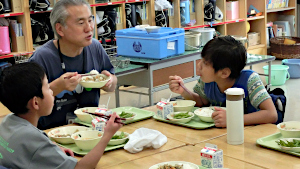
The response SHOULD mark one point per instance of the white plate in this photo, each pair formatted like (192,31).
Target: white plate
(183,120)
(114,142)
(69,130)
(294,149)
(192,165)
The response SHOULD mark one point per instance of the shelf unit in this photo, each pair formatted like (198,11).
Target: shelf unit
(23,17)
(238,26)
(225,27)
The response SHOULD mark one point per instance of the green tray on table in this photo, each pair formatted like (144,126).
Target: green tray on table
(78,151)
(141,114)
(195,123)
(269,142)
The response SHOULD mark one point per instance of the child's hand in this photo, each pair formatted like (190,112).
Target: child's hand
(219,116)
(174,84)
(111,126)
(67,151)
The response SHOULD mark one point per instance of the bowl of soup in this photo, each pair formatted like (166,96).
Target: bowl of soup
(289,129)
(87,140)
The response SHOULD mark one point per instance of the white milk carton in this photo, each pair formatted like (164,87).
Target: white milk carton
(211,157)
(164,108)
(98,123)
(104,111)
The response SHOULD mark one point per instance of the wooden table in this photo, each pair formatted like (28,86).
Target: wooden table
(186,153)
(252,153)
(118,156)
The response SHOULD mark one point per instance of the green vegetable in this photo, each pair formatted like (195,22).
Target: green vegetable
(125,115)
(121,136)
(294,143)
(181,115)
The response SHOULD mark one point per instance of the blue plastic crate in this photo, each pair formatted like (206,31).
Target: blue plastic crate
(137,43)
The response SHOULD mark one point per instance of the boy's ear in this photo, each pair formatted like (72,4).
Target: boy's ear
(33,103)
(225,73)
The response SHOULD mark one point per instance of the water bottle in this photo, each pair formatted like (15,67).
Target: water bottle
(235,115)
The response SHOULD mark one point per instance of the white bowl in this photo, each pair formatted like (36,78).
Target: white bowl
(84,117)
(63,134)
(173,163)
(290,129)
(141,27)
(114,142)
(87,140)
(205,115)
(129,118)
(183,120)
(183,105)
(152,29)
(294,149)
(93,84)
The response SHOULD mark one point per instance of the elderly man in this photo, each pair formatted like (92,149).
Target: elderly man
(73,52)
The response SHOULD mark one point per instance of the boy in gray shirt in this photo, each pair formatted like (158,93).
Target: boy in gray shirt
(25,91)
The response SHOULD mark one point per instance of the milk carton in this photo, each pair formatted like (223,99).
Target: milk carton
(164,108)
(211,157)
(98,124)
(103,110)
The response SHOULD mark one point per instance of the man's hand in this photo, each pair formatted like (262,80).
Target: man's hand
(70,80)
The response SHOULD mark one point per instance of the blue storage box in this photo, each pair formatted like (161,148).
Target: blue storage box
(294,69)
(138,43)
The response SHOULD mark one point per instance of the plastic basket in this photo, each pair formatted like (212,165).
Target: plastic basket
(285,51)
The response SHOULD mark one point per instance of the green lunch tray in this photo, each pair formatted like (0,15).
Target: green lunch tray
(269,142)
(195,122)
(140,115)
(78,151)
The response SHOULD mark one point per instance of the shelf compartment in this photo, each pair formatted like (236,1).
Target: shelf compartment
(256,46)
(255,18)
(13,54)
(11,14)
(280,9)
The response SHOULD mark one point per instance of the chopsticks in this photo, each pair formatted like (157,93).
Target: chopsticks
(82,75)
(117,119)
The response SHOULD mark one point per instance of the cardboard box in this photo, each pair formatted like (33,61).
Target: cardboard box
(232,10)
(211,156)
(98,124)
(171,21)
(253,38)
(163,109)
(17,5)
(119,26)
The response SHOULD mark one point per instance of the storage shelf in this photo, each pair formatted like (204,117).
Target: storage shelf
(255,18)
(11,14)
(34,12)
(215,24)
(116,3)
(12,54)
(256,46)
(280,9)
(235,20)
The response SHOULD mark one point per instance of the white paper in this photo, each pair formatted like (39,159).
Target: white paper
(171,45)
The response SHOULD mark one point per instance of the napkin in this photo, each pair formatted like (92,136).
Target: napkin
(144,137)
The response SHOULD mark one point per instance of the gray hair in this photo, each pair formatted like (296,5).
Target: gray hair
(59,12)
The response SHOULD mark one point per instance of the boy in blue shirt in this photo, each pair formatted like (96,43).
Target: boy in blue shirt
(221,67)
(25,91)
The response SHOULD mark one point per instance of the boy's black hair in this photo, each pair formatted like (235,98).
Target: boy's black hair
(225,52)
(20,83)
